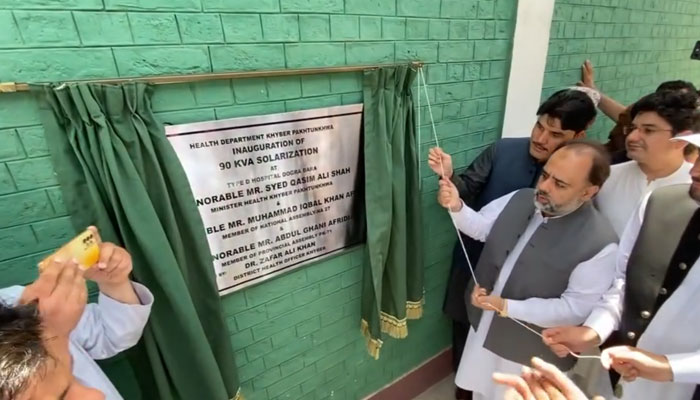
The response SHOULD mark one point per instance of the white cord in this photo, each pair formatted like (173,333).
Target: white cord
(454,223)
(442,167)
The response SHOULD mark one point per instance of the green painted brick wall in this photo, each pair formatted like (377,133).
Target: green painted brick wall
(296,336)
(634,45)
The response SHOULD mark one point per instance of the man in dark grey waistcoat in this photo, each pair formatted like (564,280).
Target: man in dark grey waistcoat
(507,165)
(650,313)
(548,257)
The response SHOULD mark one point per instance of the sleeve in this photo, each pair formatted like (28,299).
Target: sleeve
(110,327)
(685,367)
(471,182)
(589,280)
(477,225)
(605,317)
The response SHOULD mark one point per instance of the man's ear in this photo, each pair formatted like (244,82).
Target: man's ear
(590,192)
(580,135)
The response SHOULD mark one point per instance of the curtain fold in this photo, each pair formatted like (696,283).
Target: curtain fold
(118,171)
(392,285)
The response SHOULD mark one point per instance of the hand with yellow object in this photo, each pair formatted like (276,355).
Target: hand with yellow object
(84,249)
(111,273)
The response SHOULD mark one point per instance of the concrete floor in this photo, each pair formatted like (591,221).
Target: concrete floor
(443,390)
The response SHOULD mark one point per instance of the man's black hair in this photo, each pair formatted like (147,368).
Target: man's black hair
(677,86)
(573,108)
(678,109)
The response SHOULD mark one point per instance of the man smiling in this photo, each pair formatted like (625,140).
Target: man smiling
(657,160)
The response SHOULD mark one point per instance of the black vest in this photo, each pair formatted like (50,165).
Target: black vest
(542,270)
(667,246)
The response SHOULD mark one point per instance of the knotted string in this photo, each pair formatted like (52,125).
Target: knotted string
(459,235)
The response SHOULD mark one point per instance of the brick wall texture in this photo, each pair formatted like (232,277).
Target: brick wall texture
(296,336)
(634,45)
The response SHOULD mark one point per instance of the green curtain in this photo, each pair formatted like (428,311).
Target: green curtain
(392,285)
(118,171)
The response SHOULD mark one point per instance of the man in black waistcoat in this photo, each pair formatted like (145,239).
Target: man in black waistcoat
(655,346)
(505,166)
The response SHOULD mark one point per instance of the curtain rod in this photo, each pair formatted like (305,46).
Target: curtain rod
(12,87)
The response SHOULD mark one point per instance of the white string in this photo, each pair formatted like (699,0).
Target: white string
(459,235)
(442,168)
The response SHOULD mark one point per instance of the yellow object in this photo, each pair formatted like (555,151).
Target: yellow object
(84,248)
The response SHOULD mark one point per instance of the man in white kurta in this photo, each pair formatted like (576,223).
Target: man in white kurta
(587,282)
(656,162)
(113,324)
(669,345)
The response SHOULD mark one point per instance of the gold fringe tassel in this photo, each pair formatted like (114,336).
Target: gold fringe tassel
(414,309)
(373,345)
(238,395)
(392,326)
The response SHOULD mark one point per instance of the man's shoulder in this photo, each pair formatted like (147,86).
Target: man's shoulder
(510,148)
(623,171)
(625,167)
(512,142)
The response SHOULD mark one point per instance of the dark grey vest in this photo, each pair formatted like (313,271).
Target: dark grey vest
(666,248)
(542,269)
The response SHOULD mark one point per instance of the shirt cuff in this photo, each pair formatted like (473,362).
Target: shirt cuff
(465,211)
(685,367)
(602,323)
(145,297)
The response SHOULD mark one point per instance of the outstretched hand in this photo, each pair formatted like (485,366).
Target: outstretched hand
(542,382)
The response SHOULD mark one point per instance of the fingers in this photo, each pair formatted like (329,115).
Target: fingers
(552,373)
(517,383)
(606,359)
(107,250)
(78,291)
(68,282)
(512,394)
(550,335)
(631,375)
(477,292)
(625,354)
(553,393)
(560,350)
(46,283)
(625,369)
(447,184)
(534,384)
(557,378)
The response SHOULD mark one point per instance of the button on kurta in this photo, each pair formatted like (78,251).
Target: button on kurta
(631,335)
(663,291)
(646,314)
(683,266)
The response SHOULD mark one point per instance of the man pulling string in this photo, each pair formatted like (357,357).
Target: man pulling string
(561,208)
